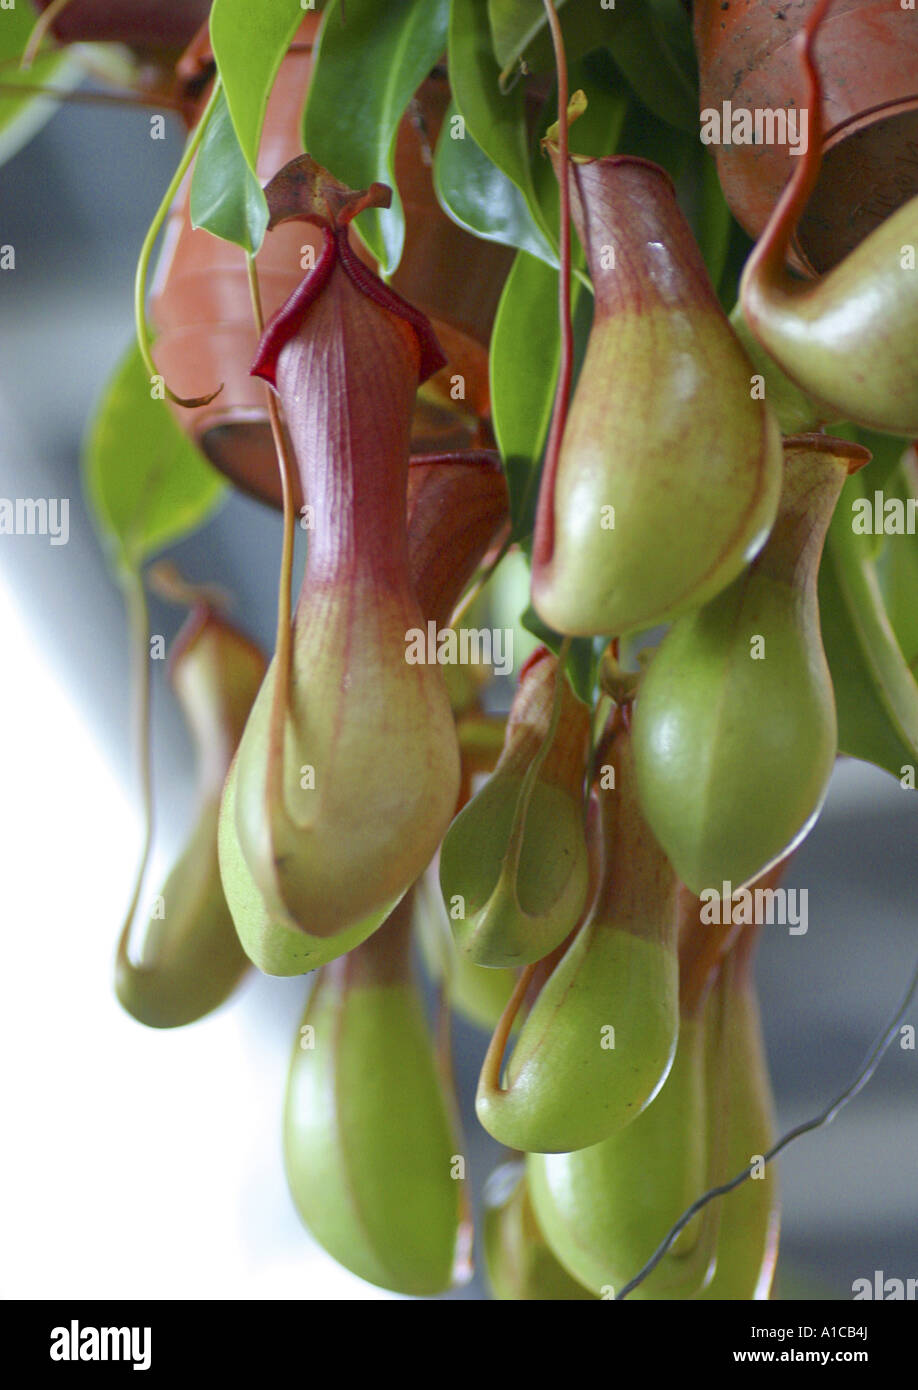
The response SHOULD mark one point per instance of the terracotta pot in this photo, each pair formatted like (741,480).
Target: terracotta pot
(202,313)
(867,52)
(145,25)
(201,310)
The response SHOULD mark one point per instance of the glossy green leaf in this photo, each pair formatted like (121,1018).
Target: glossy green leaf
(22,113)
(649,43)
(370,61)
(675,21)
(640,46)
(146,483)
(226,197)
(495,121)
(584,27)
(514,26)
(249,42)
(876,695)
(583,656)
(524,369)
(480,197)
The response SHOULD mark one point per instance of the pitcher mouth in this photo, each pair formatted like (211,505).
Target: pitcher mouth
(869,170)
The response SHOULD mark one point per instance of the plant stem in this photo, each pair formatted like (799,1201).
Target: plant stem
(566,365)
(42,26)
(284,639)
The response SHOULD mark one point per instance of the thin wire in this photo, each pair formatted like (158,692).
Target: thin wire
(865,1072)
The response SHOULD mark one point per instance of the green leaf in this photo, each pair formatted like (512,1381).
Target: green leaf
(584,27)
(650,41)
(370,61)
(639,45)
(249,43)
(875,693)
(674,20)
(146,483)
(514,26)
(582,659)
(226,197)
(496,122)
(22,113)
(524,369)
(480,197)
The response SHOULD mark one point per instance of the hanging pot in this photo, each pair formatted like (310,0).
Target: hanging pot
(202,312)
(867,53)
(201,309)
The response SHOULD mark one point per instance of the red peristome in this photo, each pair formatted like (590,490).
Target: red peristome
(288,320)
(285,324)
(538,655)
(432,357)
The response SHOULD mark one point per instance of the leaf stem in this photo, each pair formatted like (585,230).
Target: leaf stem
(39,32)
(284,641)
(146,251)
